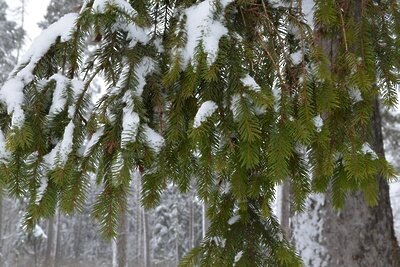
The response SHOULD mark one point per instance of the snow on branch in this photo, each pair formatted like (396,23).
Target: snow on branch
(203,26)
(11,93)
(205,111)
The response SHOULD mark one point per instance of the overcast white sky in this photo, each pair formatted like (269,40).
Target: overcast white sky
(34,12)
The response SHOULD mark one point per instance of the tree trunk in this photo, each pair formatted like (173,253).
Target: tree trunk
(356,236)
(191,224)
(114,262)
(146,236)
(57,257)
(205,220)
(122,241)
(51,240)
(77,237)
(285,208)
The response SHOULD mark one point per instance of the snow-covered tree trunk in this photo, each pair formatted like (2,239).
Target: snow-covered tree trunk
(356,236)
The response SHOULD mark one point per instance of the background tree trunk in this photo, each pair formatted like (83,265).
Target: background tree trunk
(191,225)
(122,241)
(58,252)
(146,236)
(285,208)
(205,221)
(51,240)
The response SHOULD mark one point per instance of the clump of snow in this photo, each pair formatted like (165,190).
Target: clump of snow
(238,256)
(202,26)
(59,154)
(154,139)
(59,99)
(66,144)
(130,121)
(38,232)
(135,33)
(12,91)
(250,82)
(297,57)
(12,95)
(234,219)
(4,153)
(130,125)
(93,140)
(356,96)
(49,159)
(142,70)
(77,88)
(276,91)
(205,111)
(366,149)
(158,44)
(99,6)
(318,123)
(42,188)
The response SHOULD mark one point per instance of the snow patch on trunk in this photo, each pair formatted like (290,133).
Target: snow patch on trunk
(307,232)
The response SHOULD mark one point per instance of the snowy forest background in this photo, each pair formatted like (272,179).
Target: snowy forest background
(158,237)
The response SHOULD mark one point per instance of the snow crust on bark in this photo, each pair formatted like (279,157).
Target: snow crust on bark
(308,232)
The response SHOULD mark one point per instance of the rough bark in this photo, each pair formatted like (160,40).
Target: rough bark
(356,236)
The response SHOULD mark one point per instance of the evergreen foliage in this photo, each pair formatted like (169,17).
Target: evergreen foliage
(237,96)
